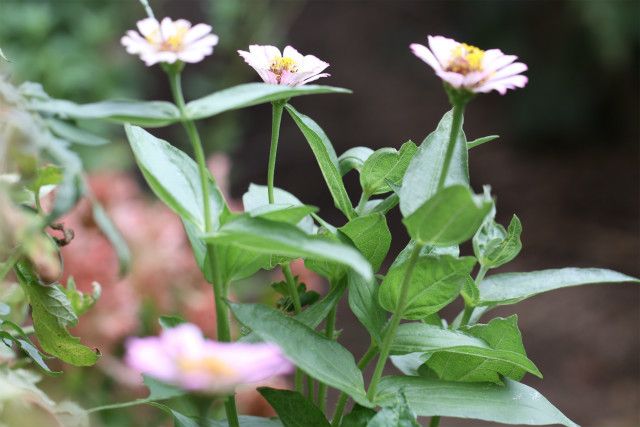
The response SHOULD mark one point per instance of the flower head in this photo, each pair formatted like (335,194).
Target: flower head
(183,357)
(467,67)
(288,68)
(170,41)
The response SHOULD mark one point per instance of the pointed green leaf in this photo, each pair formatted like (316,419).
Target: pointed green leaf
(398,415)
(450,217)
(248,94)
(358,417)
(435,282)
(320,357)
(256,200)
(420,182)
(482,140)
(278,238)
(512,403)
(510,288)
(114,236)
(363,301)
(293,409)
(173,176)
(371,235)
(74,134)
(327,159)
(386,164)
(494,246)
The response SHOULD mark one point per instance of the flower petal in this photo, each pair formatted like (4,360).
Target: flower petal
(425,54)
(196,32)
(442,48)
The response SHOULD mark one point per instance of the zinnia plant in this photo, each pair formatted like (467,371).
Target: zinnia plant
(469,366)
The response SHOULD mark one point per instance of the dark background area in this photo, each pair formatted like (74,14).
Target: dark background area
(566,162)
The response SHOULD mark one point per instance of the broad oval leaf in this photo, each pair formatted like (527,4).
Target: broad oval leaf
(371,235)
(278,238)
(293,409)
(510,288)
(423,338)
(420,181)
(353,158)
(257,197)
(512,403)
(327,160)
(320,357)
(248,94)
(173,176)
(386,165)
(141,113)
(435,282)
(450,217)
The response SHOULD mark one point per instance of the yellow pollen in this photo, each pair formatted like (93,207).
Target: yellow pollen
(173,43)
(208,364)
(465,59)
(282,64)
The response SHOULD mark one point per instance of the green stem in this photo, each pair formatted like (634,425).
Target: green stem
(329,330)
(299,376)
(435,422)
(219,287)
(468,309)
(456,125)
(364,198)
(309,387)
(273,150)
(394,322)
(293,289)
(342,399)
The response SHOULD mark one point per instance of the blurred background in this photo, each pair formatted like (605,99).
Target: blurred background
(566,162)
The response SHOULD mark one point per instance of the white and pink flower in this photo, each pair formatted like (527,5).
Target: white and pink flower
(467,67)
(183,357)
(289,68)
(170,41)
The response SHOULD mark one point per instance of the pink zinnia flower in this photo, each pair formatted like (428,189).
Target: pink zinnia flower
(466,67)
(183,357)
(289,68)
(170,41)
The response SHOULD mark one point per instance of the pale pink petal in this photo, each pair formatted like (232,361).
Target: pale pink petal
(509,70)
(502,85)
(313,78)
(312,64)
(196,32)
(263,56)
(167,28)
(495,62)
(454,79)
(425,54)
(293,54)
(148,27)
(442,47)
(473,78)
(147,356)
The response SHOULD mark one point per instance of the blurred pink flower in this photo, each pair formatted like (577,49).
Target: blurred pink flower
(289,68)
(170,41)
(466,67)
(182,356)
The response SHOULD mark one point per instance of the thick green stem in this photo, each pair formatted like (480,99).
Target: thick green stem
(329,330)
(456,125)
(394,322)
(273,150)
(364,198)
(435,422)
(468,309)
(342,399)
(219,288)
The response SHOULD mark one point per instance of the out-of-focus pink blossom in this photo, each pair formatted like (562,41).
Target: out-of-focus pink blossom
(170,41)
(289,68)
(182,356)
(466,67)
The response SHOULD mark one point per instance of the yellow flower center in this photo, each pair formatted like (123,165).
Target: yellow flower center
(282,64)
(173,42)
(208,364)
(465,59)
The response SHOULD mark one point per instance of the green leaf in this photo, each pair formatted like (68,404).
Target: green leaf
(450,217)
(158,391)
(173,176)
(371,235)
(320,357)
(363,301)
(51,313)
(398,415)
(358,417)
(278,238)
(46,175)
(386,164)
(114,236)
(494,246)
(482,140)
(381,206)
(80,302)
(505,356)
(353,158)
(257,197)
(435,282)
(420,181)
(71,188)
(248,94)
(423,338)
(513,403)
(74,134)
(23,341)
(510,288)
(327,160)
(168,322)
(293,409)
(141,113)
